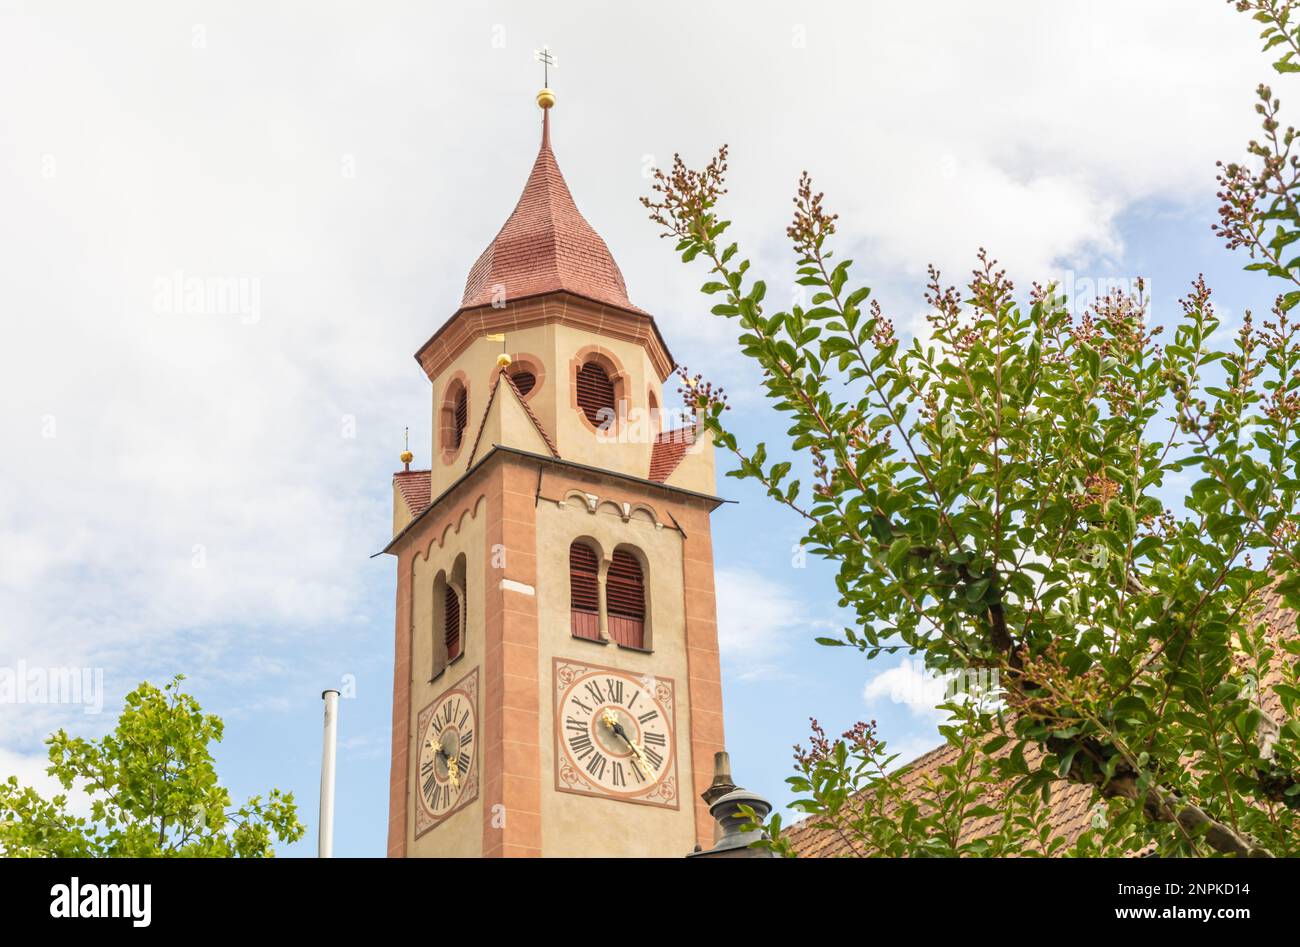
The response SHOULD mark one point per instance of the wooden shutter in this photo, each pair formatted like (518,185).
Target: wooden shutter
(584,594)
(595,392)
(462,418)
(451,621)
(625,600)
(524,380)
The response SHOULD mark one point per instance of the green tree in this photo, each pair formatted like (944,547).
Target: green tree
(996,498)
(153,791)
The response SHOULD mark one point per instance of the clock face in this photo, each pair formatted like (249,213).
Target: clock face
(446,776)
(615,734)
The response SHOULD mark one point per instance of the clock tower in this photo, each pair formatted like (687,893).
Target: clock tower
(556,688)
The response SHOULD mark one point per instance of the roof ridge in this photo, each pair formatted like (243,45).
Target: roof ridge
(546,436)
(496,383)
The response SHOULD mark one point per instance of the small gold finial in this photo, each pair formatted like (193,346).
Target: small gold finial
(406,456)
(503,360)
(546,98)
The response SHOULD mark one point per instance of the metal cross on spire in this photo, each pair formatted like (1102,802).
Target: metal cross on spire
(547,60)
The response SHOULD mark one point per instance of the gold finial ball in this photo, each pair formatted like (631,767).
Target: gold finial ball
(503,360)
(546,98)
(406,457)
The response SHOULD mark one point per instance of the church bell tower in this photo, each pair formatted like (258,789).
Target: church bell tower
(556,688)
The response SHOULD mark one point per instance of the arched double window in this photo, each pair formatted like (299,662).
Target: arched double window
(450,624)
(623,601)
(451,615)
(625,598)
(584,591)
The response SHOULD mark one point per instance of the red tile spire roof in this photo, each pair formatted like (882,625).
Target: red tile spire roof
(546,246)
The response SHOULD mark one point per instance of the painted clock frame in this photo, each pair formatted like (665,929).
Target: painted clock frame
(570,776)
(425,820)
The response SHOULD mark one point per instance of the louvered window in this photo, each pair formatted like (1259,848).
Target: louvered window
(584,594)
(451,621)
(625,600)
(461,418)
(595,393)
(524,380)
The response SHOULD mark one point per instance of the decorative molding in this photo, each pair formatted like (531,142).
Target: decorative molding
(562,308)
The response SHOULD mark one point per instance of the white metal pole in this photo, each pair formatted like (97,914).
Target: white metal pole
(331,698)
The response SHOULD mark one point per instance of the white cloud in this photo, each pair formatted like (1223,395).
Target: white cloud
(172,481)
(758,620)
(908,684)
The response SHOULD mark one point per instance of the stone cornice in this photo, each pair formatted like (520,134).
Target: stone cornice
(563,308)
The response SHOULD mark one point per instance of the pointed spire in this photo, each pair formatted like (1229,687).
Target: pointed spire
(546,245)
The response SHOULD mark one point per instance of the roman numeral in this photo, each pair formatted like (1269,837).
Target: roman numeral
(581,745)
(596,765)
(584,707)
(654,758)
(463,717)
(467,738)
(594,690)
(615,688)
(463,762)
(658,739)
(646,717)
(618,774)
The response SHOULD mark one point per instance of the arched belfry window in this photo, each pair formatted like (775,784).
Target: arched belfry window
(524,380)
(625,600)
(461,417)
(451,621)
(595,393)
(453,417)
(584,591)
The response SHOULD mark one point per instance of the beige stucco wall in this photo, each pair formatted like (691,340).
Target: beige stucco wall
(462,832)
(576,825)
(478,364)
(695,472)
(555,346)
(401,512)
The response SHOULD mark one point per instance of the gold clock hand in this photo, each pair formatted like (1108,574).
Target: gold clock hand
(453,767)
(638,760)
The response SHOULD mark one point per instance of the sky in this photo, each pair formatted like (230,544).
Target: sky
(197,486)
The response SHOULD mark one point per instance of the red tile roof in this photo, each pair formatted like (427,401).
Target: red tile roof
(669,449)
(1070,811)
(546,246)
(415,487)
